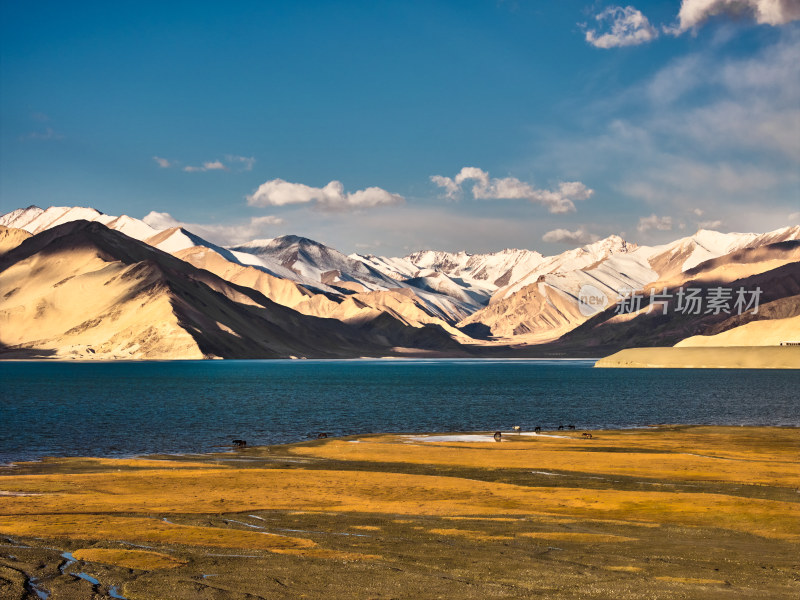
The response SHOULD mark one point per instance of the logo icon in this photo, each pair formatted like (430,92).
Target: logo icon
(591,300)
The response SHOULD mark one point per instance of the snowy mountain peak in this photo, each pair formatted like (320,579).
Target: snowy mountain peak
(612,243)
(281,243)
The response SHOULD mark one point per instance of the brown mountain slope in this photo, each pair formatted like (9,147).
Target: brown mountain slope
(541,312)
(736,265)
(357,308)
(81,290)
(608,332)
(535,314)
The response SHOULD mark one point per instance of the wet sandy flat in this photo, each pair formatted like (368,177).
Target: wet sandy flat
(696,512)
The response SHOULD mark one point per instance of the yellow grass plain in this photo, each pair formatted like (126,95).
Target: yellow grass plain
(396,504)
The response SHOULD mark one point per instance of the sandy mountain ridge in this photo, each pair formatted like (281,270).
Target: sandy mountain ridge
(82,290)
(773,268)
(315,267)
(356,308)
(440,288)
(543,305)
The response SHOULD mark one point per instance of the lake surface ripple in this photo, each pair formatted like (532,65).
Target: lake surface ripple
(130,408)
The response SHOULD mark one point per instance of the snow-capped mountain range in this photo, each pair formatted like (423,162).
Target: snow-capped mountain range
(510,293)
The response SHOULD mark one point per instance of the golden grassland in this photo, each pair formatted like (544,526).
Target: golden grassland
(653,513)
(141,560)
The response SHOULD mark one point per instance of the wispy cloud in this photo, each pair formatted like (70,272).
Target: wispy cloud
(654,222)
(713,129)
(232,162)
(332,197)
(212,165)
(560,200)
(246,162)
(219,234)
(47,134)
(565,236)
(709,224)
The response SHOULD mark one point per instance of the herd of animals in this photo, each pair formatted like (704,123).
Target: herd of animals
(498,435)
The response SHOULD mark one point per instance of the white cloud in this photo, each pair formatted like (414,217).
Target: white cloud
(626,27)
(219,234)
(162,162)
(564,236)
(560,200)
(451,189)
(654,222)
(332,197)
(709,224)
(794,217)
(694,13)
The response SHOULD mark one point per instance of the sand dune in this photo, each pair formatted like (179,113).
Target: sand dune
(756,333)
(745,357)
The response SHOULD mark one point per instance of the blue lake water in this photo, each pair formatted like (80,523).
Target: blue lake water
(128,408)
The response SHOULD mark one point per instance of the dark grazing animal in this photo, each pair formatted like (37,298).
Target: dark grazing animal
(497,436)
(322,435)
(537,429)
(561,428)
(587,435)
(571,426)
(239,443)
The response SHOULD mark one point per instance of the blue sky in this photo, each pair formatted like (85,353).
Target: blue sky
(578,119)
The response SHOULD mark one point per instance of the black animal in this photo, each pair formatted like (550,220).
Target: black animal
(322,435)
(587,435)
(497,436)
(561,428)
(537,429)
(571,426)
(239,443)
